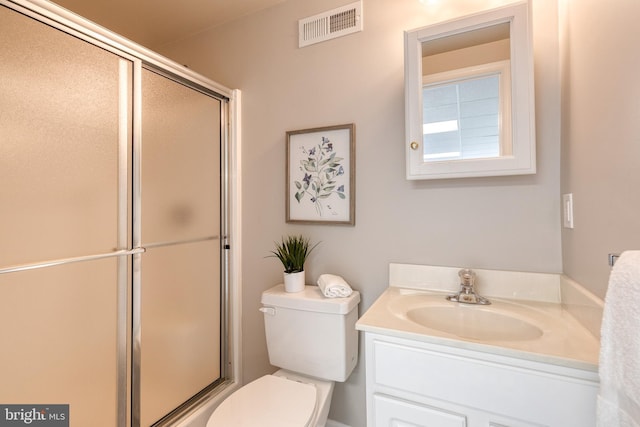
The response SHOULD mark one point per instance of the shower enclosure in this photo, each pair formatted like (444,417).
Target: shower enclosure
(113,226)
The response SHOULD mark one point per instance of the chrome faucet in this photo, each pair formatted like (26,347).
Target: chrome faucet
(467,294)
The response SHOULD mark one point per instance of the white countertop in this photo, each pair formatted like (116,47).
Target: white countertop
(564,340)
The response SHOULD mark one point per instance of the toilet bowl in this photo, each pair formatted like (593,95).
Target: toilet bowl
(282,399)
(314,341)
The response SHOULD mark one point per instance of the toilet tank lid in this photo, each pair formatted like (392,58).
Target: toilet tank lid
(311,299)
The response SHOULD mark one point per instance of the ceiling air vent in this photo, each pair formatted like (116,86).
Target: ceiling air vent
(329,25)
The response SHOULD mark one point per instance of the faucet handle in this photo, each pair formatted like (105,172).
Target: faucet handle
(467,277)
(467,292)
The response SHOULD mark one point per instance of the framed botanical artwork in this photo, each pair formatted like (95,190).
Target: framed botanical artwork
(320,187)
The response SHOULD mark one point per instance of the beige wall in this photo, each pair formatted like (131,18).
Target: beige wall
(510,223)
(601,128)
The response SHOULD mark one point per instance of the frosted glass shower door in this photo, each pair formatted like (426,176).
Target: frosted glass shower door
(177,324)
(65,128)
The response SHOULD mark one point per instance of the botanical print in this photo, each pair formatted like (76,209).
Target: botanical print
(320,170)
(319,175)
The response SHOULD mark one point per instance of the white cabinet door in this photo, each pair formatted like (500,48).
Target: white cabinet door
(390,412)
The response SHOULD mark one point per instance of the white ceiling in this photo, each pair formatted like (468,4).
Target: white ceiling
(152,23)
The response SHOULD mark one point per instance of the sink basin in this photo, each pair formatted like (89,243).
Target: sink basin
(474,322)
(501,321)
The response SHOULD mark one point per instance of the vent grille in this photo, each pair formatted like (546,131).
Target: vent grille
(329,25)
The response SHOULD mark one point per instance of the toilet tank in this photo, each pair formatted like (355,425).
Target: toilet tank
(310,334)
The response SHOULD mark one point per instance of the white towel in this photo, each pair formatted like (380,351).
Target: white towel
(333,286)
(619,395)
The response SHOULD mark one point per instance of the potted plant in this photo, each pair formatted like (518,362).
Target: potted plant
(292,253)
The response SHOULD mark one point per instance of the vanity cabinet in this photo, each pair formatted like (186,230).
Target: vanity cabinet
(418,383)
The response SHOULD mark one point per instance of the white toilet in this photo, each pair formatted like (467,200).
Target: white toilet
(315,342)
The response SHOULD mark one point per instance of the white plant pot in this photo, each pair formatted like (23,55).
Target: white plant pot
(294,282)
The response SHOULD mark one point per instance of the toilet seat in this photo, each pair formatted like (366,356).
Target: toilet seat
(269,401)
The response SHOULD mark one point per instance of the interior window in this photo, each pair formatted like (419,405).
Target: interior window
(462,110)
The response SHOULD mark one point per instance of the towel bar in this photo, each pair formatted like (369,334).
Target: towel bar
(613,258)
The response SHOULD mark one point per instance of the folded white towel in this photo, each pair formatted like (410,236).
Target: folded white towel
(618,398)
(333,286)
